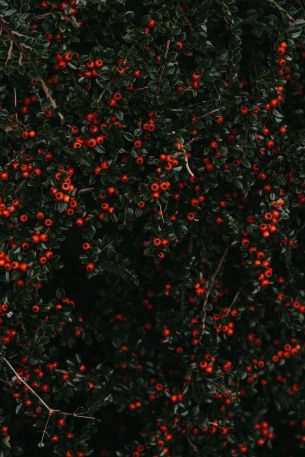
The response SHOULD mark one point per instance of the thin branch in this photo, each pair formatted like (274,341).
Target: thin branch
(183,291)
(186,18)
(27,385)
(281,10)
(128,52)
(9,53)
(104,90)
(211,283)
(51,99)
(5,26)
(79,416)
(161,212)
(187,165)
(84,191)
(15,103)
(77,376)
(20,46)
(163,68)
(236,296)
(180,110)
(209,113)
(51,411)
(41,443)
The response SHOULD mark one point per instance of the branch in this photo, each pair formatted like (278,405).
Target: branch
(51,411)
(211,283)
(210,112)
(187,165)
(20,46)
(163,68)
(189,252)
(281,10)
(84,191)
(15,103)
(233,301)
(180,110)
(9,52)
(5,26)
(51,99)
(186,18)
(104,90)
(27,385)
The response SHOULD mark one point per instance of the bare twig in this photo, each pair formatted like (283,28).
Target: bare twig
(236,296)
(180,110)
(186,18)
(4,25)
(211,283)
(187,165)
(183,290)
(51,411)
(41,443)
(161,212)
(9,53)
(21,48)
(104,90)
(281,10)
(15,103)
(84,191)
(129,51)
(210,112)
(27,385)
(51,99)
(163,68)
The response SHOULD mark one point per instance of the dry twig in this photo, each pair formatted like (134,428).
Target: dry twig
(51,411)
(9,53)
(51,99)
(210,285)
(281,10)
(163,68)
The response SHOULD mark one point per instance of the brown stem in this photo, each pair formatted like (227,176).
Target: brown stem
(104,90)
(187,165)
(281,10)
(211,283)
(163,68)
(236,296)
(9,53)
(84,191)
(50,410)
(51,99)
(27,385)
(186,19)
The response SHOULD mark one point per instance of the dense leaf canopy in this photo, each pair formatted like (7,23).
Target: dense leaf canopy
(152,183)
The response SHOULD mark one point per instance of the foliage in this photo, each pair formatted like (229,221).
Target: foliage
(151,267)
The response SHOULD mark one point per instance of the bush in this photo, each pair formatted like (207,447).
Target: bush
(152,263)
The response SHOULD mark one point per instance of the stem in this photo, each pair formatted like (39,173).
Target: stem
(163,68)
(236,296)
(187,165)
(281,9)
(27,385)
(51,99)
(211,283)
(41,443)
(50,410)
